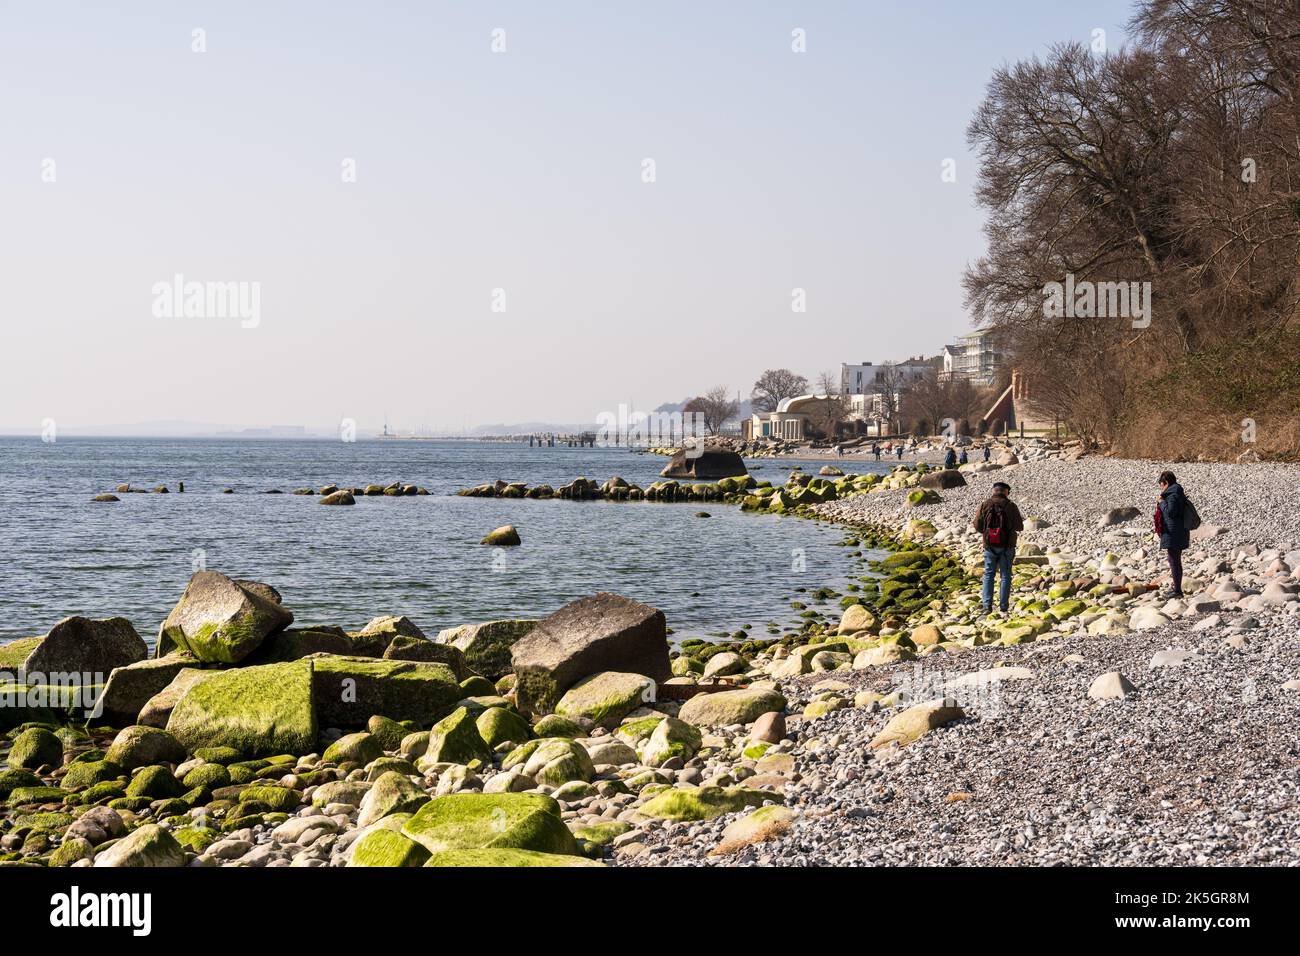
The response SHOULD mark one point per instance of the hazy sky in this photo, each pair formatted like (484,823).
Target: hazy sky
(474,171)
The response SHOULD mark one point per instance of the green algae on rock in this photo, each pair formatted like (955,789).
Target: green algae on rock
(704,803)
(261,710)
(468,821)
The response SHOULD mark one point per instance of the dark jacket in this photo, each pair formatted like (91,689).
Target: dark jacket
(1174,535)
(1013,522)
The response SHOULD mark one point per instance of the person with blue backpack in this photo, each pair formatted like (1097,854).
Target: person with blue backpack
(999,521)
(1175,520)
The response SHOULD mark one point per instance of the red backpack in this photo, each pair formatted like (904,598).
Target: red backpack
(995,528)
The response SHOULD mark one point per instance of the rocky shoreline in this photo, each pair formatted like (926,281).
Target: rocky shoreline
(1096,723)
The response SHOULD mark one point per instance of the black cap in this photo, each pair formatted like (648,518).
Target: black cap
(1001,484)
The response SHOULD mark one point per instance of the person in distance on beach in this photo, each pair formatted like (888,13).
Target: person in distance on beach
(1171,526)
(999,521)
(950,458)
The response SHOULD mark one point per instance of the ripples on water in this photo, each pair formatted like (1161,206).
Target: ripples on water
(417,556)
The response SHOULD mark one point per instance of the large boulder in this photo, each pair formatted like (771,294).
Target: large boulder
(386,848)
(487,646)
(131,687)
(944,478)
(728,707)
(604,632)
(704,803)
(454,739)
(469,821)
(606,698)
(915,722)
(260,711)
(552,761)
(150,845)
(79,645)
(348,690)
(140,746)
(34,748)
(708,464)
(221,620)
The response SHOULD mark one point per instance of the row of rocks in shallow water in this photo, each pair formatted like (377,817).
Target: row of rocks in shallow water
(329,494)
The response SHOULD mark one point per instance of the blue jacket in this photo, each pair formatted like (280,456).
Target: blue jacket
(1174,535)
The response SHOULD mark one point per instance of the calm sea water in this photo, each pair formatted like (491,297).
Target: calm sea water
(417,556)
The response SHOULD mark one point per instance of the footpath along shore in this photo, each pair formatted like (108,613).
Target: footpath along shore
(1087,727)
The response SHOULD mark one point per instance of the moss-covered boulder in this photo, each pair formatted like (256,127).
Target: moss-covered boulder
(348,690)
(470,821)
(487,646)
(504,536)
(671,738)
(387,731)
(392,793)
(500,857)
(383,847)
(35,747)
(10,780)
(139,746)
(606,698)
(207,775)
(222,620)
(150,845)
(72,851)
(557,759)
(261,710)
(87,773)
(155,783)
(553,725)
(497,726)
(359,748)
(703,803)
(730,707)
(455,739)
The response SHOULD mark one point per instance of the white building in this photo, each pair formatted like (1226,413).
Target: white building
(791,419)
(974,357)
(861,379)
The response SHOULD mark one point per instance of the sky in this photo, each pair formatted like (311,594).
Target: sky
(448,214)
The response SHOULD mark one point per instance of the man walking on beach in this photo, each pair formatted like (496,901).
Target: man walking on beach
(999,521)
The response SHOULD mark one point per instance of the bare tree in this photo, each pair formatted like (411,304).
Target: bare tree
(774,385)
(889,386)
(1172,163)
(716,407)
(832,408)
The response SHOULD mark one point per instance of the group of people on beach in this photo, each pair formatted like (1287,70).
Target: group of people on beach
(999,521)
